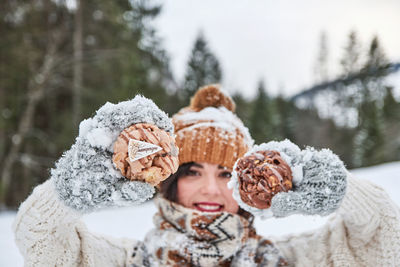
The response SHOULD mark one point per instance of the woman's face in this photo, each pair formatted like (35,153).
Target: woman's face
(205,188)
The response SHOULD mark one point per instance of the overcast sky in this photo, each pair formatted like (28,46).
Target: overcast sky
(274,40)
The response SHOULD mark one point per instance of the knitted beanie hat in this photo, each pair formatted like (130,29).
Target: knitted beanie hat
(209,131)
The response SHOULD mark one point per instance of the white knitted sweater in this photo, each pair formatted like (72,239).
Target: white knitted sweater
(364,231)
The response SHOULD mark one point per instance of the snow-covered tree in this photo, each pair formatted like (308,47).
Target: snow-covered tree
(203,67)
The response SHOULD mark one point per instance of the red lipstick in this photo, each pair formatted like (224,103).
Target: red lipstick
(208,206)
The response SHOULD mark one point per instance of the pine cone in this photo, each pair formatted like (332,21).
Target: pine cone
(153,168)
(262,175)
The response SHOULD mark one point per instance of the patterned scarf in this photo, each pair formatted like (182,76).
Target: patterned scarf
(187,237)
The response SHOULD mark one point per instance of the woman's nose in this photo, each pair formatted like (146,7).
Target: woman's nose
(211,185)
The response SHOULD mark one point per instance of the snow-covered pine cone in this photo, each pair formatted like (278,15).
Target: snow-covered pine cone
(319,182)
(153,168)
(276,178)
(262,175)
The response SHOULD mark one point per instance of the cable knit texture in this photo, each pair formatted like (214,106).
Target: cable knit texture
(48,233)
(364,231)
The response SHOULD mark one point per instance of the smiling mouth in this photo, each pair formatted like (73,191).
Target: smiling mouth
(208,206)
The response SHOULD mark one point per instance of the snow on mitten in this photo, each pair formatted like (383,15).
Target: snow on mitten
(320,191)
(291,181)
(262,173)
(85,176)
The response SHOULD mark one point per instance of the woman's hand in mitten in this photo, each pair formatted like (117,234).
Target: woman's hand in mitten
(262,173)
(321,189)
(97,171)
(278,179)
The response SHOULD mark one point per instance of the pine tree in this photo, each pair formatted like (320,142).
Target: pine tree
(243,107)
(391,108)
(346,96)
(122,56)
(33,45)
(370,141)
(283,118)
(260,122)
(376,56)
(373,72)
(370,138)
(203,68)
(128,52)
(391,115)
(321,65)
(350,61)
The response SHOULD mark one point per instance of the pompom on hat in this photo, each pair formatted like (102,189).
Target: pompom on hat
(209,131)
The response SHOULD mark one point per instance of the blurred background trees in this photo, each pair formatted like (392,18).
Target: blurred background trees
(59,63)
(202,68)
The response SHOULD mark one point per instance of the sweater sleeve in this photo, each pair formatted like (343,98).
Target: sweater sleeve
(364,231)
(49,233)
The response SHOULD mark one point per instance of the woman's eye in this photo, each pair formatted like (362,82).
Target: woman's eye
(193,173)
(226,174)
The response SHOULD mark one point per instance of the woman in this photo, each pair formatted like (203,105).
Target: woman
(199,222)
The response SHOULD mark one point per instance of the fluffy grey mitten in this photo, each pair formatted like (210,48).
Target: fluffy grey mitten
(321,189)
(85,177)
(290,152)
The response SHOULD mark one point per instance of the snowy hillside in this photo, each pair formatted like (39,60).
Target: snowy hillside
(135,222)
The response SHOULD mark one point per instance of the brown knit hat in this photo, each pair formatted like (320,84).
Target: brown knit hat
(209,131)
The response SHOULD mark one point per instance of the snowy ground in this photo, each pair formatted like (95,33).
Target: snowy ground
(135,222)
